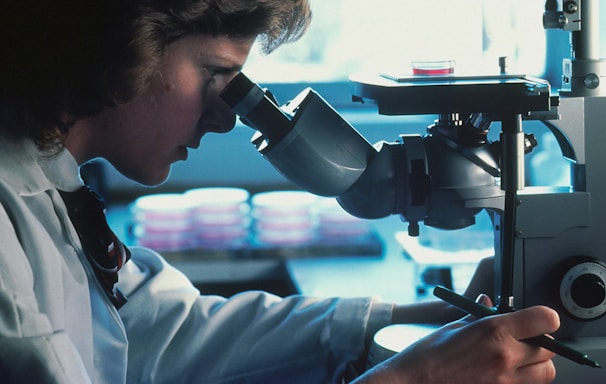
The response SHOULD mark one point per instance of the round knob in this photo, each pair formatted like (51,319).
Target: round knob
(588,290)
(583,288)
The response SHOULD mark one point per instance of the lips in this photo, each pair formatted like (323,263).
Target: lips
(194,143)
(182,153)
(194,146)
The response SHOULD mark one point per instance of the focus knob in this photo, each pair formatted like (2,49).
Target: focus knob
(583,289)
(588,290)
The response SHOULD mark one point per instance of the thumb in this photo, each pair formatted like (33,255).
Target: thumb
(484,300)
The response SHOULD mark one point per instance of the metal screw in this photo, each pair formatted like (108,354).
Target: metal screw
(571,7)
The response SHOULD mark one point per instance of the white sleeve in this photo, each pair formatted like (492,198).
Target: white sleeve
(176,335)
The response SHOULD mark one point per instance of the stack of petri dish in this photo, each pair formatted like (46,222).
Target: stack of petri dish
(163,222)
(220,217)
(335,223)
(283,218)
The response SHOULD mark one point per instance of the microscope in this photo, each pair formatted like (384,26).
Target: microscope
(548,240)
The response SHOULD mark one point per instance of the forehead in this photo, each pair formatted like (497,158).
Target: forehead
(212,50)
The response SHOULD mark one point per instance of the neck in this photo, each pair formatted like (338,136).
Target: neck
(80,139)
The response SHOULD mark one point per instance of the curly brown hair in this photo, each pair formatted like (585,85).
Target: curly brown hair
(64,60)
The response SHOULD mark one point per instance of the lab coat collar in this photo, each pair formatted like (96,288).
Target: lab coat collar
(44,170)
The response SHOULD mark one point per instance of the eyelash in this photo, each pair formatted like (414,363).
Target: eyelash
(214,72)
(212,75)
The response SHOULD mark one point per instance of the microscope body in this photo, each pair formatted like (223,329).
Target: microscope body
(560,253)
(557,253)
(549,241)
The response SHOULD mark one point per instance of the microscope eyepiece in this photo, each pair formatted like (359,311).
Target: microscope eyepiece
(237,89)
(256,108)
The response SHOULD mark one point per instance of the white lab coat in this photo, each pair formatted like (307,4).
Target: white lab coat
(57,326)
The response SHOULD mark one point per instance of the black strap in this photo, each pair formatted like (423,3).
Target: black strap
(106,253)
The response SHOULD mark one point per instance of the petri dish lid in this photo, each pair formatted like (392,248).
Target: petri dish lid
(217,195)
(283,200)
(162,202)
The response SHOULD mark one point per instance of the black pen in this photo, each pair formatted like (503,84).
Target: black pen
(479,310)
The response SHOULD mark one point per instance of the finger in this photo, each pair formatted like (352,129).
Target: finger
(484,300)
(541,372)
(481,299)
(535,354)
(533,321)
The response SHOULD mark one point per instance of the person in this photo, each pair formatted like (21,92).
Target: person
(137,82)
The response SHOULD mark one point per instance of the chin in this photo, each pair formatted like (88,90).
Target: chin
(155,180)
(148,177)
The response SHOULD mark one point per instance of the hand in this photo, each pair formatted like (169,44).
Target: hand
(476,351)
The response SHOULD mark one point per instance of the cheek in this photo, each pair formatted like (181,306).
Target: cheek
(178,99)
(174,114)
(187,99)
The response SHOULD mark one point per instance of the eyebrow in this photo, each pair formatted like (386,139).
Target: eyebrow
(224,69)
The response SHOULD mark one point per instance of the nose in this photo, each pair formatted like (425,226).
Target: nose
(218,117)
(220,112)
